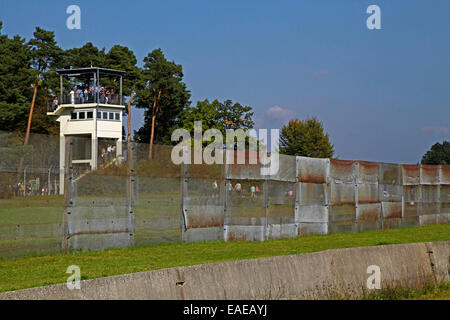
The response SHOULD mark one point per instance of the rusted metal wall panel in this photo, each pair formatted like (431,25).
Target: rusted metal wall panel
(342,193)
(430,200)
(431,208)
(391,223)
(307,228)
(203,234)
(342,171)
(281,231)
(281,199)
(411,174)
(428,219)
(341,226)
(411,200)
(367,225)
(445,174)
(244,233)
(312,213)
(342,202)
(442,218)
(410,221)
(411,193)
(344,212)
(411,196)
(390,192)
(444,198)
(412,209)
(157,210)
(368,206)
(242,203)
(430,193)
(100,216)
(312,196)
(102,241)
(368,193)
(368,172)
(205,213)
(246,221)
(342,209)
(445,208)
(368,217)
(250,170)
(312,170)
(368,212)
(429,174)
(203,203)
(391,210)
(390,174)
(286,170)
(312,193)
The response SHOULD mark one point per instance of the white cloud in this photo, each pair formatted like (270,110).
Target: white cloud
(320,74)
(440,131)
(280,113)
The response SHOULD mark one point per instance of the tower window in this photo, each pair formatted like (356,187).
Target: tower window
(90,115)
(73,116)
(81,115)
(117,116)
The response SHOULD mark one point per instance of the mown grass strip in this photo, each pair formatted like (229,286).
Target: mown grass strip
(439,291)
(34,271)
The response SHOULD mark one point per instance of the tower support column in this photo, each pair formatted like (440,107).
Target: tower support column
(62,165)
(119,153)
(94,152)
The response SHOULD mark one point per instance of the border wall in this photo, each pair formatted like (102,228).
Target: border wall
(140,201)
(315,196)
(156,201)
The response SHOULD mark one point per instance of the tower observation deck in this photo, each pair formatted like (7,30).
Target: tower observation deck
(90,109)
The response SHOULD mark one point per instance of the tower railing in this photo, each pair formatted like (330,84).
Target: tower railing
(67,98)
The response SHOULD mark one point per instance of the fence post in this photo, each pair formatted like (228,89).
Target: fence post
(68,193)
(225,175)
(184,194)
(266,208)
(130,191)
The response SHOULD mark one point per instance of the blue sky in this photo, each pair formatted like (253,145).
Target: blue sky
(382,95)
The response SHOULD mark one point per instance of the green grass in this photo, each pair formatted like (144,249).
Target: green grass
(34,271)
(29,210)
(439,291)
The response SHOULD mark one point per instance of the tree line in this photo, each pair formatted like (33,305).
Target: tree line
(29,80)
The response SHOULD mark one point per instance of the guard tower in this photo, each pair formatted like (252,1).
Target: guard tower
(91,110)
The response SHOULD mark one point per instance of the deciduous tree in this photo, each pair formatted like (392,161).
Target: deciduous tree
(305,138)
(438,154)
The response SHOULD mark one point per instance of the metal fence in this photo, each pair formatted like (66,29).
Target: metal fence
(140,201)
(30,207)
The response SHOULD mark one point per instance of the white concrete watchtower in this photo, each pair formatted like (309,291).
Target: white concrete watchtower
(91,111)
